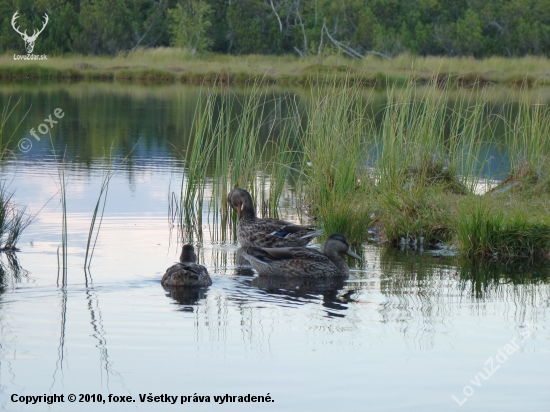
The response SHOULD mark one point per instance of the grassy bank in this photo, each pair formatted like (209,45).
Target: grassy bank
(417,176)
(178,65)
(413,177)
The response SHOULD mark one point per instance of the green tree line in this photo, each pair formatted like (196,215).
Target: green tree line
(354,28)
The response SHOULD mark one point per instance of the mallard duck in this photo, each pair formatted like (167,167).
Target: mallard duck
(186,272)
(302,261)
(255,231)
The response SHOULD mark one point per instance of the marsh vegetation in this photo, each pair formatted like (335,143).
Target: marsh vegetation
(415,171)
(175,65)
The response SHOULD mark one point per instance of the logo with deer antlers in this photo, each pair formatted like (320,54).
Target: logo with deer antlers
(29,40)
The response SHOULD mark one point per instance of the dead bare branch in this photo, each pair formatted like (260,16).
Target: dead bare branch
(277,15)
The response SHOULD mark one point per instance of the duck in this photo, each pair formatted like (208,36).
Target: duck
(266,232)
(303,261)
(187,272)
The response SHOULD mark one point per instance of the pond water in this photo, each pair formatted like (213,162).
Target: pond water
(407,331)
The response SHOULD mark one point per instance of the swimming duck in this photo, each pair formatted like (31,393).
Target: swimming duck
(302,261)
(255,231)
(186,272)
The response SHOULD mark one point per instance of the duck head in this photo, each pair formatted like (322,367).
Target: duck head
(337,244)
(241,201)
(188,254)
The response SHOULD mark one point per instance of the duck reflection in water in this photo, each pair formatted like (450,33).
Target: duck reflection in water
(332,290)
(186,296)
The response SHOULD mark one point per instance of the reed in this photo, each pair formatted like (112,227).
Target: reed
(424,140)
(101,202)
(14,219)
(486,232)
(226,151)
(336,181)
(20,220)
(62,266)
(526,137)
(412,168)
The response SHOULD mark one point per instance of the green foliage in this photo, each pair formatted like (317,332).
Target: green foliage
(388,27)
(251,28)
(106,27)
(189,25)
(415,214)
(486,232)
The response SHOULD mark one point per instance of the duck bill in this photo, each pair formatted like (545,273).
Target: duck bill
(353,254)
(240,211)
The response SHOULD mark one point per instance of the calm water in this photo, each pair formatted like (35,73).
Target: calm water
(406,332)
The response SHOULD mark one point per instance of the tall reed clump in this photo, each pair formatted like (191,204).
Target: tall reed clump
(336,180)
(425,141)
(427,152)
(200,147)
(225,149)
(527,141)
(487,233)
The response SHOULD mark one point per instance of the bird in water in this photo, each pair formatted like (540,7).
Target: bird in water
(260,232)
(187,272)
(302,261)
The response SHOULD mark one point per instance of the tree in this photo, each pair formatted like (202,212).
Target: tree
(106,27)
(189,25)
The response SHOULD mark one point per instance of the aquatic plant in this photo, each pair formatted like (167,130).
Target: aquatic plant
(225,148)
(526,137)
(412,168)
(103,192)
(14,220)
(488,233)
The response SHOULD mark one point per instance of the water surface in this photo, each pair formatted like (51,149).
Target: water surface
(407,331)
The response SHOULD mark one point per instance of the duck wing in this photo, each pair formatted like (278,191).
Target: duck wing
(271,255)
(282,228)
(186,273)
(275,233)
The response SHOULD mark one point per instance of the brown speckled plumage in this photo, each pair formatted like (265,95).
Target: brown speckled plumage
(187,272)
(260,232)
(302,261)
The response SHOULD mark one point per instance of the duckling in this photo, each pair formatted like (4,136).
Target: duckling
(303,261)
(186,272)
(255,231)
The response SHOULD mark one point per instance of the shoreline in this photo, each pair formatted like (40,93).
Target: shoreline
(168,65)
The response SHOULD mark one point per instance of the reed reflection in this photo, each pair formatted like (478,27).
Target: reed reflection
(10,269)
(427,291)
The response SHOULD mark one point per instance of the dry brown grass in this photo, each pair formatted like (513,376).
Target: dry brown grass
(285,69)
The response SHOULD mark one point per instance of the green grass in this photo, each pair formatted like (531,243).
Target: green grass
(411,168)
(225,150)
(173,64)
